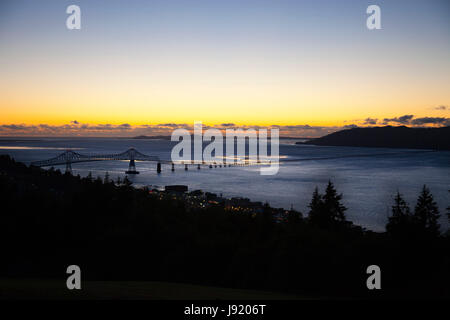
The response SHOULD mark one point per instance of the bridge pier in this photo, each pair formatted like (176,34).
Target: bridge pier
(158,167)
(198,167)
(173,167)
(132,168)
(185,167)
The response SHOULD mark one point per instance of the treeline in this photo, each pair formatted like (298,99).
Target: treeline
(327,211)
(50,220)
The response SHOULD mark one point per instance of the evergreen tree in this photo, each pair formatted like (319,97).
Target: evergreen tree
(401,220)
(332,204)
(426,213)
(327,210)
(316,206)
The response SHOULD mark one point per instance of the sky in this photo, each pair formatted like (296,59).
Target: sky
(145,67)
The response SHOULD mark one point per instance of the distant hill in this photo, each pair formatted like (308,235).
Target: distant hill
(388,137)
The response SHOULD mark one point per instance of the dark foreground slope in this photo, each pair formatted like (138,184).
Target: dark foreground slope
(114,232)
(388,137)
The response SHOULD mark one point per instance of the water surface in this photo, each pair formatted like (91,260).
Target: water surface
(367,177)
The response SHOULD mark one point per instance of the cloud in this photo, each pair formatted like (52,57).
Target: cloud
(441,108)
(171,125)
(431,120)
(423,121)
(350,126)
(299,126)
(228,125)
(14,127)
(370,121)
(402,120)
(74,122)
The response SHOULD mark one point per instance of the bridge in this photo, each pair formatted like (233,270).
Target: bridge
(68,157)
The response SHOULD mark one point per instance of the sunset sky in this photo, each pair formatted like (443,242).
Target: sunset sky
(141,66)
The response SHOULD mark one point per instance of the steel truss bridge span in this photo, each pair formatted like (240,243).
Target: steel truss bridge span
(68,157)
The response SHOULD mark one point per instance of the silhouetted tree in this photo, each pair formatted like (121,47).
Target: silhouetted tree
(332,203)
(327,210)
(401,222)
(315,215)
(426,213)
